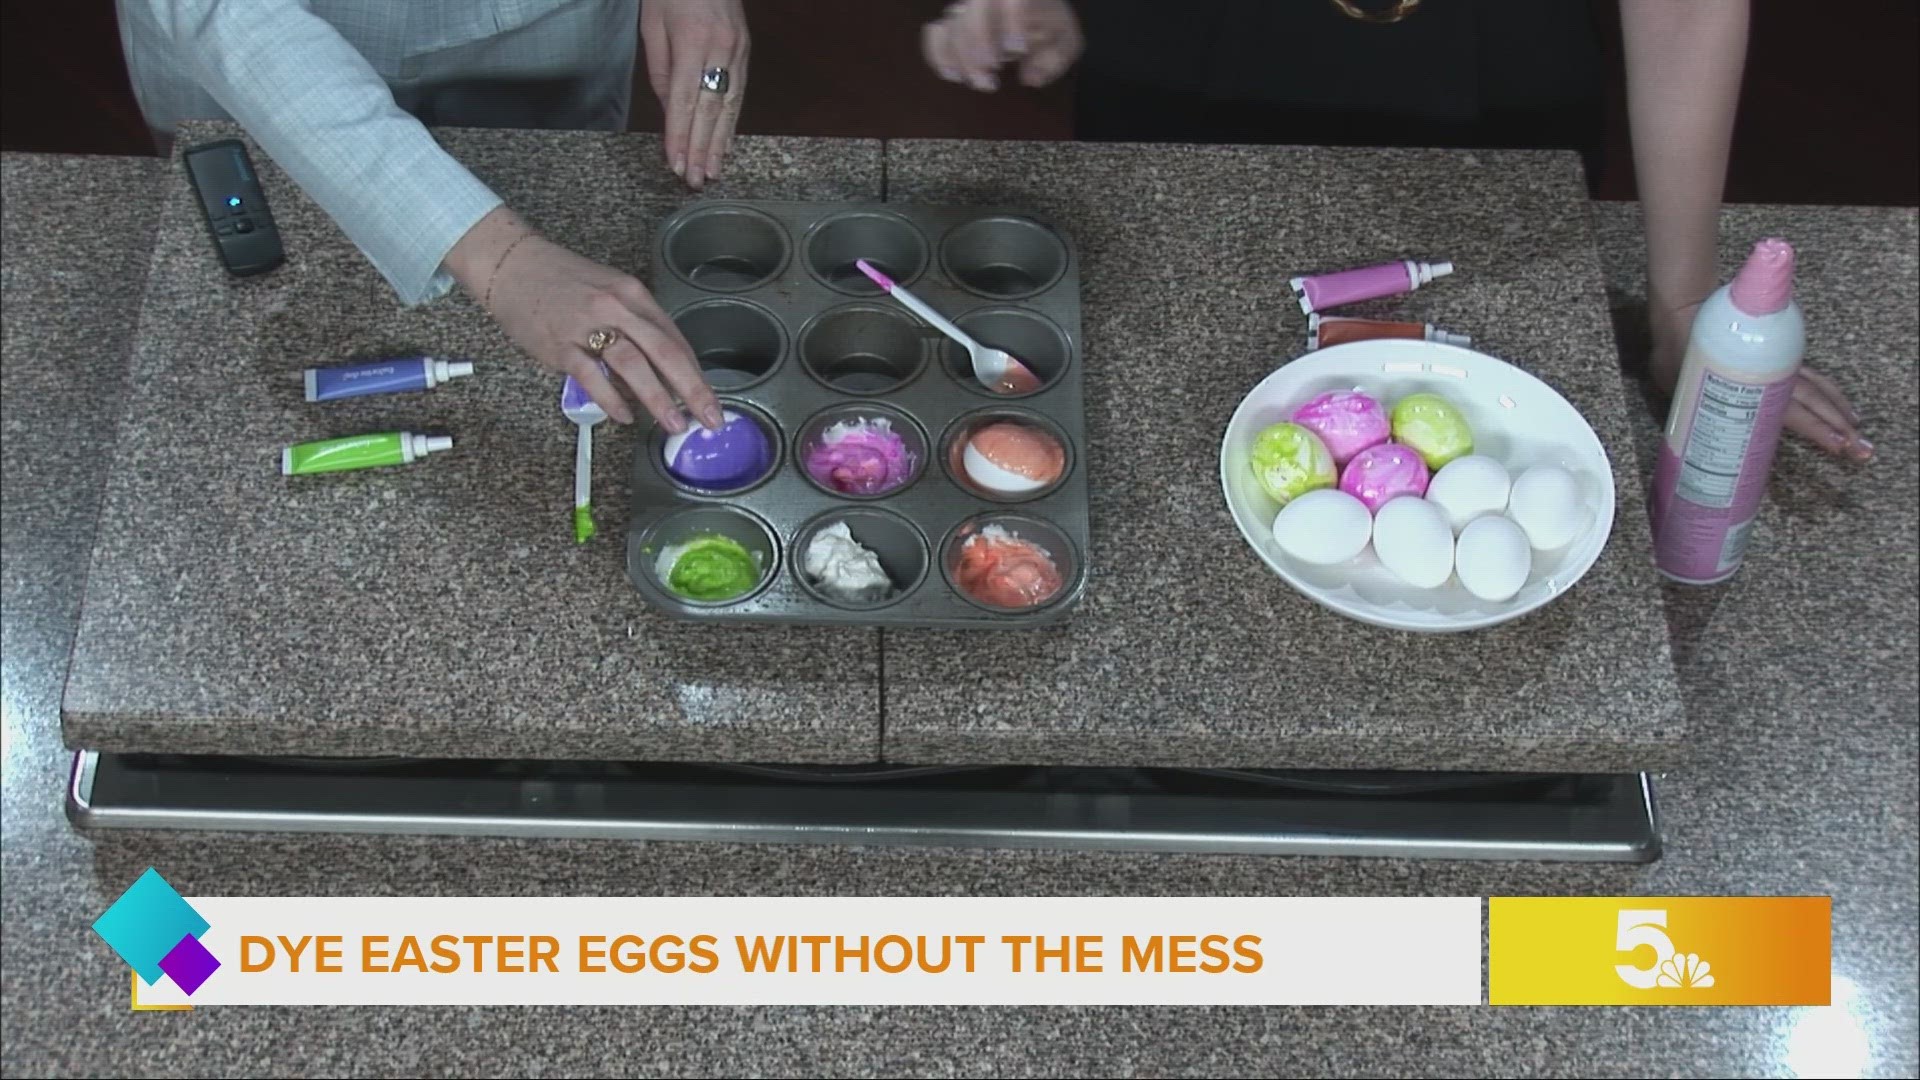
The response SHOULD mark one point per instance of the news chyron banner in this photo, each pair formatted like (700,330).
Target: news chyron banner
(192,952)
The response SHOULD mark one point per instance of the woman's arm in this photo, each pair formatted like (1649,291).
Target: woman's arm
(316,106)
(1684,65)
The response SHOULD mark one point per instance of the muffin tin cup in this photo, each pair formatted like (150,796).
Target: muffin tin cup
(1039,532)
(842,355)
(654,447)
(680,526)
(864,349)
(1032,338)
(727,249)
(885,239)
(815,428)
(899,544)
(954,448)
(738,343)
(1003,257)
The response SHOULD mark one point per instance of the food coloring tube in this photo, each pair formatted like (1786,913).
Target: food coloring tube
(1325,330)
(1321,291)
(396,376)
(360,452)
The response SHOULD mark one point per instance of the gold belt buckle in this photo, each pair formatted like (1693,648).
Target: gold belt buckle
(1400,10)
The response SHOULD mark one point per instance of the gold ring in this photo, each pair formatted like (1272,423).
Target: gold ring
(601,340)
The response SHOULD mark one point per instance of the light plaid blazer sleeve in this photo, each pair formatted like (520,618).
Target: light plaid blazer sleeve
(322,112)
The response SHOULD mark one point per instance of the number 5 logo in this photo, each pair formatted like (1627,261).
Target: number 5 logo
(1642,926)
(1670,968)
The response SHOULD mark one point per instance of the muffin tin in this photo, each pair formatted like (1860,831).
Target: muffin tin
(792,335)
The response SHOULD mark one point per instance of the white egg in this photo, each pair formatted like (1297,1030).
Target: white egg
(1413,541)
(1323,527)
(1465,488)
(1546,503)
(1492,558)
(993,477)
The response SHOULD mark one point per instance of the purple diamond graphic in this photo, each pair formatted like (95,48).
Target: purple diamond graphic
(189,964)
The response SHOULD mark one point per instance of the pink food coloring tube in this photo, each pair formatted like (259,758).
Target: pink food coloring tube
(1322,291)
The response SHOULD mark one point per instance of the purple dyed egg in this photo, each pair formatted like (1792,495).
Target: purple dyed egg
(1380,474)
(733,457)
(1348,421)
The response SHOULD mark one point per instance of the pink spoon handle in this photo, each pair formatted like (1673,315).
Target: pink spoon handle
(918,307)
(879,278)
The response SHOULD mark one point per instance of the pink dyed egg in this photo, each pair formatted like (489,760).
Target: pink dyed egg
(1380,474)
(1346,420)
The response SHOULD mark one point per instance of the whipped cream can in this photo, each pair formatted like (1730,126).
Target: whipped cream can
(1729,407)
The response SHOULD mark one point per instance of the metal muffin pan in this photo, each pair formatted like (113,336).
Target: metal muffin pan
(790,333)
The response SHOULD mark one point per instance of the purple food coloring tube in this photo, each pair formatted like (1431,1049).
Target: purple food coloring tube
(397,376)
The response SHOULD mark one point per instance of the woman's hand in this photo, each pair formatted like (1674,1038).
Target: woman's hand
(1820,413)
(976,38)
(550,301)
(684,39)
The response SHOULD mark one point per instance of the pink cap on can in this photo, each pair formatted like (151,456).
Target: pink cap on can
(1765,284)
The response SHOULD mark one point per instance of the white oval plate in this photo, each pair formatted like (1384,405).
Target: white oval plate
(1516,419)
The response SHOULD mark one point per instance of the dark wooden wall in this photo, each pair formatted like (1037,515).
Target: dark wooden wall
(1830,113)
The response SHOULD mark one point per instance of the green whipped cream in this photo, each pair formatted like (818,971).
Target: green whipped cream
(709,568)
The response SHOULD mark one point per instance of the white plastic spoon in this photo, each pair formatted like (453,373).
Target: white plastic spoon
(996,369)
(585,413)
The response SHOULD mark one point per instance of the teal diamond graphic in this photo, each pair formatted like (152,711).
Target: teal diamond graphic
(147,922)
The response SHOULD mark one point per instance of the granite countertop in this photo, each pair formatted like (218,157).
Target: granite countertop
(437,610)
(219,591)
(1187,650)
(1800,674)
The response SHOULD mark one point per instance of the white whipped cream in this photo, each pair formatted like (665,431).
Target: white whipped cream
(838,566)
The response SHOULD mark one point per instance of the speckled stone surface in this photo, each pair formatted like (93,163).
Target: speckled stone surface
(436,609)
(1815,637)
(1804,782)
(1187,649)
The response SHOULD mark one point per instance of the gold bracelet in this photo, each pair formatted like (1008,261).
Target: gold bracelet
(486,303)
(1400,10)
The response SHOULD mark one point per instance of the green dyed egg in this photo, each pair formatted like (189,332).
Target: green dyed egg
(1432,426)
(1290,461)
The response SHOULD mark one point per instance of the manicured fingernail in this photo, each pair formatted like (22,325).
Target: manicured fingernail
(1862,449)
(950,74)
(1014,42)
(984,82)
(679,166)
(695,177)
(711,417)
(1836,439)
(674,424)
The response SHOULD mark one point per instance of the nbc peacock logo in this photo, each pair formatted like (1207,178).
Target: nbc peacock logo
(1683,972)
(1671,969)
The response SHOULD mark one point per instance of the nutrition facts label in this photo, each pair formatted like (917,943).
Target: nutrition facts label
(1724,421)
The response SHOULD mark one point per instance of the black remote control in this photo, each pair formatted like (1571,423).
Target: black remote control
(236,209)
